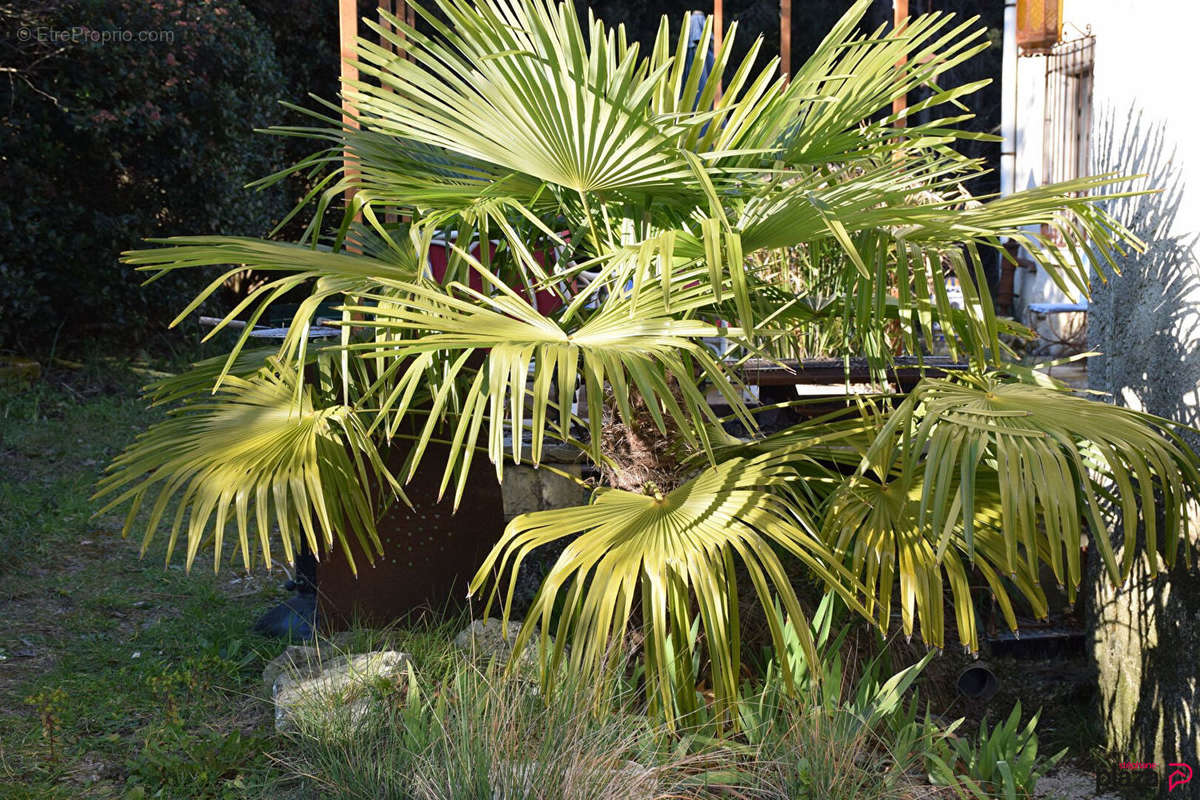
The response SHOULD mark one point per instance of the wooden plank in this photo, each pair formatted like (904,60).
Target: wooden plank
(347,39)
(832,371)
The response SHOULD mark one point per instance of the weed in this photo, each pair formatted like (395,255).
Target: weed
(49,704)
(200,763)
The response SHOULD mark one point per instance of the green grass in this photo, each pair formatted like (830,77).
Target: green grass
(119,676)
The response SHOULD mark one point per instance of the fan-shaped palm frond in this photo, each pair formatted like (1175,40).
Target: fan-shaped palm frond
(1002,477)
(202,377)
(631,343)
(253,454)
(330,272)
(838,104)
(706,123)
(874,523)
(1059,460)
(519,86)
(670,555)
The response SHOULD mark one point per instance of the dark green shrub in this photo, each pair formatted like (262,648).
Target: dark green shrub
(126,120)
(305,35)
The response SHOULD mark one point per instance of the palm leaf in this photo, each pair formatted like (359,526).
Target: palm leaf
(332,273)
(517,85)
(254,456)
(670,554)
(1003,477)
(838,104)
(874,523)
(1060,459)
(631,342)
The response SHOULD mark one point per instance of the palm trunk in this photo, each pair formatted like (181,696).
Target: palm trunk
(643,458)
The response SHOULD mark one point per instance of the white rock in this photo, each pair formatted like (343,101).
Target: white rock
(489,639)
(336,694)
(297,659)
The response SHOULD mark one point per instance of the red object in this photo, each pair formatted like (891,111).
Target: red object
(439,258)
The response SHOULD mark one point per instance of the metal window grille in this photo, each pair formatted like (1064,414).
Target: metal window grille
(1068,116)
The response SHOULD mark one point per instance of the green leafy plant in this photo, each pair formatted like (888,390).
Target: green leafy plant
(202,763)
(866,696)
(185,683)
(633,217)
(50,704)
(826,753)
(111,139)
(1003,762)
(845,735)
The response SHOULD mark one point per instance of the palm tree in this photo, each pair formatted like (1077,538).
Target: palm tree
(637,213)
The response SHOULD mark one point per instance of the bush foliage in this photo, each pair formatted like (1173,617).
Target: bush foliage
(111,138)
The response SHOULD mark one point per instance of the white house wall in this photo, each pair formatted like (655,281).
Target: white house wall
(1146,119)
(1146,321)
(1146,94)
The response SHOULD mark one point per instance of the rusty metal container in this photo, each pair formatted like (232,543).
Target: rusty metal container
(429,554)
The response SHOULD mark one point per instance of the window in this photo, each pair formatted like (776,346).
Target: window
(1068,113)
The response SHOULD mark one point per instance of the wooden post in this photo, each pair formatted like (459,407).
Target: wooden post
(347,38)
(400,10)
(785,38)
(899,21)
